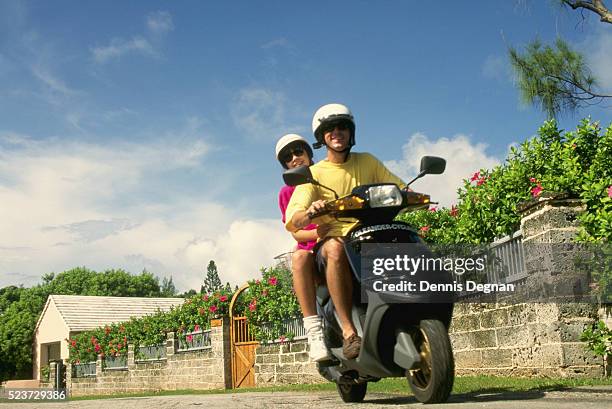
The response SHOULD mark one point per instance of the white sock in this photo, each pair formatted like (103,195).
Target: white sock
(312,323)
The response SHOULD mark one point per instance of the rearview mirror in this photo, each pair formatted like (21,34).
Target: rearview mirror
(432,165)
(298,176)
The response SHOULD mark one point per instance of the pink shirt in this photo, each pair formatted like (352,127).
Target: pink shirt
(283,200)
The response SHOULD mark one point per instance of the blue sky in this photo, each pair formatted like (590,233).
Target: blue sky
(141,134)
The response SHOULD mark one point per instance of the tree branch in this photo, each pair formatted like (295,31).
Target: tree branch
(596,6)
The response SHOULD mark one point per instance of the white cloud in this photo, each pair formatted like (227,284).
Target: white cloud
(262,114)
(463,158)
(68,203)
(119,47)
(279,42)
(599,54)
(160,22)
(497,67)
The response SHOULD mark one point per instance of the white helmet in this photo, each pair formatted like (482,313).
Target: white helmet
(330,114)
(290,139)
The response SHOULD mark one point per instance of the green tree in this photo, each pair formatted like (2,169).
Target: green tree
(212,282)
(167,287)
(20,308)
(555,78)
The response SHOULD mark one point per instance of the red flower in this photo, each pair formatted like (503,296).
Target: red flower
(282,339)
(481,181)
(272,280)
(205,297)
(98,348)
(196,328)
(533,180)
(223,298)
(610,191)
(257,281)
(212,308)
(454,211)
(264,293)
(433,209)
(189,338)
(536,191)
(94,341)
(73,343)
(252,305)
(475,176)
(424,229)
(107,330)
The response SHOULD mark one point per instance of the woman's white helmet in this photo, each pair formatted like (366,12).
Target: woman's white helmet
(329,114)
(290,139)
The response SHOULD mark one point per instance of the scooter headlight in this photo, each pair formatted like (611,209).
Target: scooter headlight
(384,196)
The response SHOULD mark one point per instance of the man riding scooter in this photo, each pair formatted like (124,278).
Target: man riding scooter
(333,126)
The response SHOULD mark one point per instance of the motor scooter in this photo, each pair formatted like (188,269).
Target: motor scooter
(403,334)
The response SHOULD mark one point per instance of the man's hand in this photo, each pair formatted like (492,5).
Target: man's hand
(315,208)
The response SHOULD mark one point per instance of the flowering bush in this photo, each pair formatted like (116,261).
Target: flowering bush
(112,340)
(271,300)
(576,164)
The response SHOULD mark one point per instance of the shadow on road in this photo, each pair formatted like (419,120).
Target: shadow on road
(485,395)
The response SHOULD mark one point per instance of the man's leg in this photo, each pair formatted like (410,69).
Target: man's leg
(339,283)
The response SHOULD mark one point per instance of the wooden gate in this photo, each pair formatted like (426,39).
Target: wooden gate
(243,348)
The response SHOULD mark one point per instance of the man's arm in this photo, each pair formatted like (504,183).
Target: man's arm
(302,218)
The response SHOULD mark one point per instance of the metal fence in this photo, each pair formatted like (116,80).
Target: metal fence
(293,326)
(150,353)
(84,370)
(115,362)
(191,341)
(509,259)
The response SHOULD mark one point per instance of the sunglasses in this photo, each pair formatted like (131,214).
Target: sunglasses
(342,126)
(288,156)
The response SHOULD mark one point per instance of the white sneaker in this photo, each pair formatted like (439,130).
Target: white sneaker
(318,351)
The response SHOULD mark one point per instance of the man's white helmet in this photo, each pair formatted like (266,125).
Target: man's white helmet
(330,114)
(291,139)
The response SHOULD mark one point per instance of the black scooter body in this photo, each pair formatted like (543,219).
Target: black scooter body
(385,327)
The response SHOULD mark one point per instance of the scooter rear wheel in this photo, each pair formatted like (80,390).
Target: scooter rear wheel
(433,380)
(352,393)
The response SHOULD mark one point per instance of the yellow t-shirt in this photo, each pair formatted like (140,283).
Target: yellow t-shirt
(359,169)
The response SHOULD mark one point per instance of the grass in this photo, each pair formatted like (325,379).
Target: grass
(399,386)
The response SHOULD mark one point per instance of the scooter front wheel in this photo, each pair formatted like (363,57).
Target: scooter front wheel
(433,380)
(352,393)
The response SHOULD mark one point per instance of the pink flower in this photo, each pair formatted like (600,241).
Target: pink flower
(264,293)
(196,328)
(73,342)
(223,298)
(424,229)
(282,339)
(212,308)
(189,338)
(257,281)
(533,180)
(97,347)
(480,182)
(252,305)
(433,209)
(610,191)
(454,211)
(205,297)
(475,176)
(535,191)
(272,280)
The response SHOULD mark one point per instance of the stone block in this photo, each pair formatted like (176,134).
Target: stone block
(513,336)
(543,333)
(288,378)
(468,359)
(298,346)
(287,358)
(522,314)
(529,357)
(576,354)
(578,310)
(497,358)
(460,341)
(483,339)
(465,323)
(570,331)
(271,359)
(550,355)
(302,357)
(494,318)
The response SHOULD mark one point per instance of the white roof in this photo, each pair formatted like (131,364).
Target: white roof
(83,313)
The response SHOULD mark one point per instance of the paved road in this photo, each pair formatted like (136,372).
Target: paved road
(598,397)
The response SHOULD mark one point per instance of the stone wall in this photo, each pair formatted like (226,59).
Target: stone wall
(527,339)
(285,363)
(201,369)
